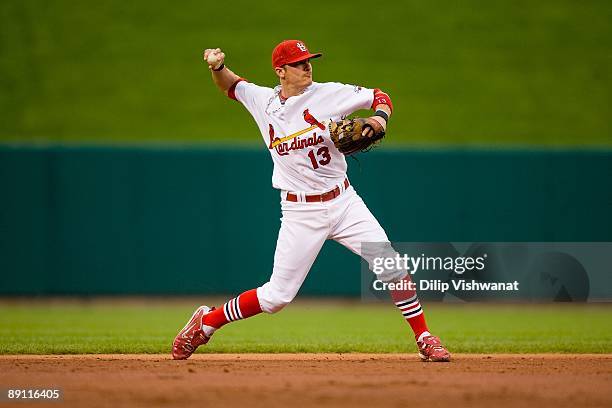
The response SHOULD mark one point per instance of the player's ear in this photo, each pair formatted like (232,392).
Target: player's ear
(280,72)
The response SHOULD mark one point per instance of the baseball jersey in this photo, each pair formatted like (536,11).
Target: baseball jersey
(308,162)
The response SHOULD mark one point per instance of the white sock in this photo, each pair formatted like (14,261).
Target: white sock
(208,330)
(424,334)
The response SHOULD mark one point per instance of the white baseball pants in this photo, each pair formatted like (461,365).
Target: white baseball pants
(304,229)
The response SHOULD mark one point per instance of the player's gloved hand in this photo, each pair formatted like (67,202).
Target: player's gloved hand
(351,135)
(374,125)
(214,57)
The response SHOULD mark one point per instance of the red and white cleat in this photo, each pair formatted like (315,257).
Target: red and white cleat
(192,335)
(431,349)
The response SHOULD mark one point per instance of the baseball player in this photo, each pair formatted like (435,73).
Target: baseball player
(317,200)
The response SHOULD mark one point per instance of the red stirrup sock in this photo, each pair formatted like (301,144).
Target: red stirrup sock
(240,307)
(408,303)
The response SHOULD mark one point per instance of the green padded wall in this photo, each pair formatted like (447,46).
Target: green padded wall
(189,221)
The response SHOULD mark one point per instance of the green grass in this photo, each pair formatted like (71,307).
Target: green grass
(474,72)
(308,327)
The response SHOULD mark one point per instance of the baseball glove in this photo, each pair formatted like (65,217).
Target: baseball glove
(347,135)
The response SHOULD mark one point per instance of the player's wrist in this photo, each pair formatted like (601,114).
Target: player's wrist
(219,68)
(381,120)
(382,114)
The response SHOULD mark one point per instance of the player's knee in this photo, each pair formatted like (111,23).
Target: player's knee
(272,299)
(393,275)
(377,255)
(275,303)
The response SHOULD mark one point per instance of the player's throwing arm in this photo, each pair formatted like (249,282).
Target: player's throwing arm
(223,77)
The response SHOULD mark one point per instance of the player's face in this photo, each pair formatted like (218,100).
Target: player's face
(299,73)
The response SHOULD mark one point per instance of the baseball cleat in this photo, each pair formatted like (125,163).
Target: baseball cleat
(191,336)
(431,349)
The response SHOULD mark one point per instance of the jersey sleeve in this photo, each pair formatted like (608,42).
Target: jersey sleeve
(248,94)
(350,98)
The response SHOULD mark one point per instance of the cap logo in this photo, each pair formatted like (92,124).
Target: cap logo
(301,46)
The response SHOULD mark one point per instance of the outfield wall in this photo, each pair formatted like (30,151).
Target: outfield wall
(172,221)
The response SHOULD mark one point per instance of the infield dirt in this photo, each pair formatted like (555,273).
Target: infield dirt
(308,380)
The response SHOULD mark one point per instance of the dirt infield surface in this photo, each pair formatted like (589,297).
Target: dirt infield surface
(308,380)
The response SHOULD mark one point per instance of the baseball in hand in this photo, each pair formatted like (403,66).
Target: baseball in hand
(213,59)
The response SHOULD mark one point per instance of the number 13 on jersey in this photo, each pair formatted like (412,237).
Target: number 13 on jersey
(322,157)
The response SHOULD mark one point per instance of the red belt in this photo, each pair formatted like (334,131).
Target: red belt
(319,198)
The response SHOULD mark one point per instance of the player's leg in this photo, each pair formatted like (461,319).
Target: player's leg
(356,224)
(304,229)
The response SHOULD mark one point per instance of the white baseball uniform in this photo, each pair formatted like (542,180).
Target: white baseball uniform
(305,165)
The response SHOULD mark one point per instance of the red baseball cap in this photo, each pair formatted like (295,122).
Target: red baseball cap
(289,52)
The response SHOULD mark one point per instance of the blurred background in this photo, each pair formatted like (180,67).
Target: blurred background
(123,170)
